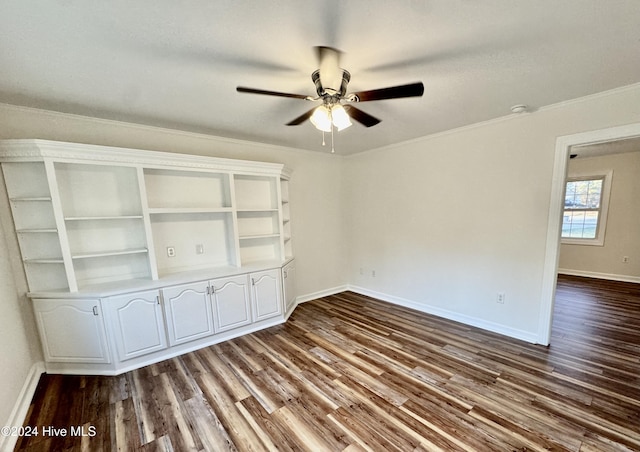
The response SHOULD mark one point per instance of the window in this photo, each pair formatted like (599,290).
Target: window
(585,209)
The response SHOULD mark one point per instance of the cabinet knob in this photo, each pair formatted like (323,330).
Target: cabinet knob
(95,310)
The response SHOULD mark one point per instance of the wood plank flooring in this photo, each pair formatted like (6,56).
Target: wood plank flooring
(347,372)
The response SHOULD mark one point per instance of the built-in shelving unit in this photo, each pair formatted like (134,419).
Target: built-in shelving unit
(135,256)
(87,216)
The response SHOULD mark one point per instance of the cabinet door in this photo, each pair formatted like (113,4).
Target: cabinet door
(231,302)
(188,312)
(289,285)
(137,324)
(72,331)
(266,294)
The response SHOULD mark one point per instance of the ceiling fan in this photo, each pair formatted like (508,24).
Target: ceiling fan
(331,87)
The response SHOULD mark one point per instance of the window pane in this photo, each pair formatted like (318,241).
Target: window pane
(593,195)
(579,224)
(580,202)
(583,194)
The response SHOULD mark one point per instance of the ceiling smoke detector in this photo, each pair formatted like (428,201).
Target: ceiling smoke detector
(519,108)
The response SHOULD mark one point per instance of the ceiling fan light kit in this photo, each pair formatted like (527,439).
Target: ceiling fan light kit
(331,83)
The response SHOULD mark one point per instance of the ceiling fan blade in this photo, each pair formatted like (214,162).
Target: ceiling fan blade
(363,118)
(302,118)
(242,89)
(329,67)
(393,92)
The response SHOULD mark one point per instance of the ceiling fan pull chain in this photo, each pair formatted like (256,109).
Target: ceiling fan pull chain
(333,151)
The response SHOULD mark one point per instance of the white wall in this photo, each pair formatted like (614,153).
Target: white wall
(450,220)
(19,345)
(623,222)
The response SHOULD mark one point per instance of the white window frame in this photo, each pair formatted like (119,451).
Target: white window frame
(607,177)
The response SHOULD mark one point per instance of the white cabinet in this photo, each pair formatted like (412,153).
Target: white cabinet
(136,323)
(188,312)
(197,310)
(266,294)
(231,299)
(289,286)
(72,331)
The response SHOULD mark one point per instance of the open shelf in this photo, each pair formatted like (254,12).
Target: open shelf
(286,218)
(172,189)
(111,217)
(15,175)
(110,253)
(98,191)
(107,268)
(53,260)
(258,236)
(31,199)
(44,275)
(255,192)
(260,248)
(258,223)
(99,236)
(181,210)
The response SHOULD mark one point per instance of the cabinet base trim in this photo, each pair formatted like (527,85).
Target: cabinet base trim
(20,409)
(136,363)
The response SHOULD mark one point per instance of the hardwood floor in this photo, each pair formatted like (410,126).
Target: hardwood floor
(347,372)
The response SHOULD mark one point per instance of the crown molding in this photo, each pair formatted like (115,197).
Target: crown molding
(20,150)
(501,119)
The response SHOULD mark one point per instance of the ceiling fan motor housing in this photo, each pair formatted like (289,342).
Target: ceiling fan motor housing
(346,77)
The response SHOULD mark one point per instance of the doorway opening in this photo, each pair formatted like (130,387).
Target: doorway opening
(564,145)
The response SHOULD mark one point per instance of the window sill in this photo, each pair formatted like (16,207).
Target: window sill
(588,242)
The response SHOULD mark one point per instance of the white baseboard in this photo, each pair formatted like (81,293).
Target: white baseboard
(20,409)
(597,275)
(320,294)
(450,315)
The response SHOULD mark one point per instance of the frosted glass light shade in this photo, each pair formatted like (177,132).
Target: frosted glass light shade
(340,117)
(321,118)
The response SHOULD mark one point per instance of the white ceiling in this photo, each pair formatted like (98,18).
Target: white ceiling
(177,63)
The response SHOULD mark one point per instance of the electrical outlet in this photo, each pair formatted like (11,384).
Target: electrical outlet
(171,251)
(200,248)
(500,297)
(625,259)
